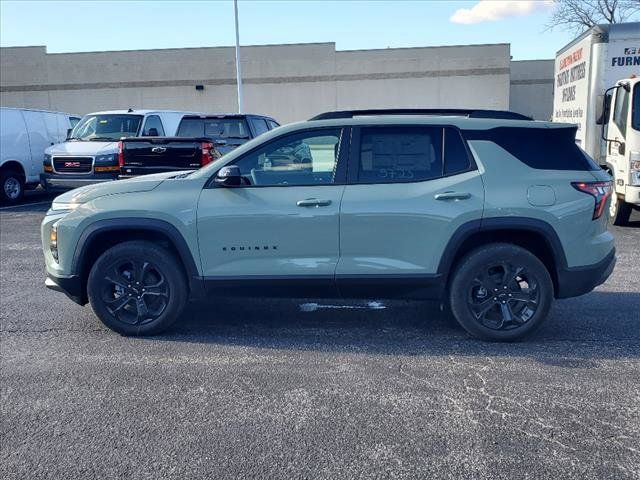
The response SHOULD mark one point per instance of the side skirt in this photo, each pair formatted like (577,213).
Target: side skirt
(418,287)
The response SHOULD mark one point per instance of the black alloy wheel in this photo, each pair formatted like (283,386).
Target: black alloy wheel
(504,296)
(500,292)
(137,288)
(135,291)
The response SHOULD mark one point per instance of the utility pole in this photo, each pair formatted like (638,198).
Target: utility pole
(238,69)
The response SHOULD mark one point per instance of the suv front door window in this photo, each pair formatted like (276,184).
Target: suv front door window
(303,159)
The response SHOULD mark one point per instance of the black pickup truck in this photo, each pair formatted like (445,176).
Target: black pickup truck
(200,139)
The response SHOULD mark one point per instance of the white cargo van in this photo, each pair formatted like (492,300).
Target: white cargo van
(90,154)
(24,135)
(596,87)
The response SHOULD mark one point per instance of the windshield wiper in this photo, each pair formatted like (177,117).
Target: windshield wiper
(102,139)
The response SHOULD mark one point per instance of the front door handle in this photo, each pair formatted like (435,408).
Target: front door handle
(452,196)
(313,202)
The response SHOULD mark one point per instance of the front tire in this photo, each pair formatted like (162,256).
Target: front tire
(500,292)
(11,186)
(137,288)
(619,211)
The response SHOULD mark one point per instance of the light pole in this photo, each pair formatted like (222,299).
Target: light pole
(238,69)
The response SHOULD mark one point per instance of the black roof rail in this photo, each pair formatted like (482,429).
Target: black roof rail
(458,112)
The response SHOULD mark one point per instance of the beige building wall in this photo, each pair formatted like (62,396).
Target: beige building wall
(289,82)
(531,91)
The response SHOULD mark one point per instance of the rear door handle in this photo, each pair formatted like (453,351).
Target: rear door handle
(313,202)
(452,196)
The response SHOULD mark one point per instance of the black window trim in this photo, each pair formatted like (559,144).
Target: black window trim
(341,167)
(354,155)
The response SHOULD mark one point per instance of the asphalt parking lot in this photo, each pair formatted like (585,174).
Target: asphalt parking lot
(304,389)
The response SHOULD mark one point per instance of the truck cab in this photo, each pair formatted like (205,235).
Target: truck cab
(621,136)
(596,88)
(90,153)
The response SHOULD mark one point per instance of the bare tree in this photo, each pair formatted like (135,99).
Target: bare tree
(579,15)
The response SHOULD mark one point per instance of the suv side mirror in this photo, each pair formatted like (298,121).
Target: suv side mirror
(69,130)
(229,176)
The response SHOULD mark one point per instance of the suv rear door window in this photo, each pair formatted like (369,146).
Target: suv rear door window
(273,124)
(307,158)
(400,154)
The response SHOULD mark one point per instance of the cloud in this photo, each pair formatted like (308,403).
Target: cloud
(492,10)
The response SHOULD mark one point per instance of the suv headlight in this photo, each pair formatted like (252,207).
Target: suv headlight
(64,206)
(53,241)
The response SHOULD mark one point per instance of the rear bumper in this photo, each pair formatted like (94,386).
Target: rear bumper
(576,281)
(69,181)
(70,286)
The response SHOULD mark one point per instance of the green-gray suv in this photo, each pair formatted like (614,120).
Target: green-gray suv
(491,213)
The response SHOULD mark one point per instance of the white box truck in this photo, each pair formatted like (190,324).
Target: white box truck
(597,88)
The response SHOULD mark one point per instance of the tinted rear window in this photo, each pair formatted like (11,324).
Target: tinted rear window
(215,128)
(542,148)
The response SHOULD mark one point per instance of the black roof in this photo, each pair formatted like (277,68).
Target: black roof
(458,112)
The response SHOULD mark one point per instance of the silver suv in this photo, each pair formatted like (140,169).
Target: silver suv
(491,213)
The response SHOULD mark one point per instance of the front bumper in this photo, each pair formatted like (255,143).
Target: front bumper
(71,286)
(632,195)
(576,281)
(54,181)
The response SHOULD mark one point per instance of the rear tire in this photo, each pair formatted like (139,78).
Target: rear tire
(619,211)
(11,186)
(500,292)
(137,288)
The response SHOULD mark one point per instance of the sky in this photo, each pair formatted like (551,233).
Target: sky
(86,26)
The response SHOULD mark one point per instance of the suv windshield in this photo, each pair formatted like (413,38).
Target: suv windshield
(106,127)
(214,128)
(635,113)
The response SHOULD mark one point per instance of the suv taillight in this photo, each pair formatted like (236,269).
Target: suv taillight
(120,154)
(207,153)
(601,191)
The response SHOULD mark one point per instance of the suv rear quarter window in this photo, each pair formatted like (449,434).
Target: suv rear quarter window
(541,148)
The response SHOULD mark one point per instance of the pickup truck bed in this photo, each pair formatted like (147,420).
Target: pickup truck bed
(144,155)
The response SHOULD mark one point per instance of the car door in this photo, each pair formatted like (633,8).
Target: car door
(409,189)
(617,157)
(280,230)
